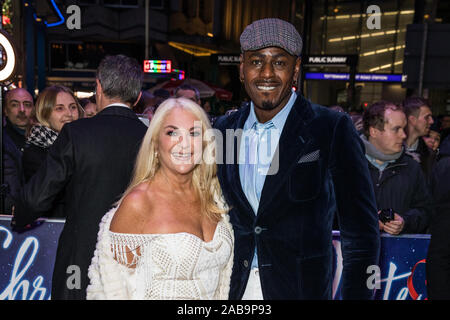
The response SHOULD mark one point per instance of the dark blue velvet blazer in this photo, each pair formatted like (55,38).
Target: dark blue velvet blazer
(322,170)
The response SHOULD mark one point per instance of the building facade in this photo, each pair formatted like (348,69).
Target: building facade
(195,34)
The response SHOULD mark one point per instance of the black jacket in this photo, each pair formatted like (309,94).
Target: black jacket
(402,187)
(16,134)
(427,159)
(91,162)
(12,147)
(12,170)
(438,260)
(321,167)
(33,157)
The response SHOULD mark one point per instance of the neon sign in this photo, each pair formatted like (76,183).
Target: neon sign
(180,74)
(58,12)
(157,66)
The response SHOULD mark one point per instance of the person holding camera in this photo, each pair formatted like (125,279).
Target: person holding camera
(403,199)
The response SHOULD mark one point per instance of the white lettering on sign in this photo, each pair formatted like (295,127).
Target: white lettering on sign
(327,60)
(386,283)
(18,284)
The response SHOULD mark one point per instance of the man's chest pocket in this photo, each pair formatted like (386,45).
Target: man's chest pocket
(306,178)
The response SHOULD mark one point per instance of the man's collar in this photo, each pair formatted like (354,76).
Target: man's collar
(117,104)
(413,146)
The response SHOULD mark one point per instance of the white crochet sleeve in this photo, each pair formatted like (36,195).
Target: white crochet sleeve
(108,278)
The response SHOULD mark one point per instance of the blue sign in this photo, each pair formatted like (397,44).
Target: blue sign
(27,259)
(401,272)
(362,77)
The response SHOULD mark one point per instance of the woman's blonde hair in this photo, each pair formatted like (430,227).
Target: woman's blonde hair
(47,101)
(204,178)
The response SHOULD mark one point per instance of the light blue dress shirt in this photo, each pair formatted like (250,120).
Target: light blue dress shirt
(258,145)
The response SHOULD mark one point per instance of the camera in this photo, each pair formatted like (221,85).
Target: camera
(386,215)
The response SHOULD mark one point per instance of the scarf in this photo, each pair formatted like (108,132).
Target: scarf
(375,153)
(42,136)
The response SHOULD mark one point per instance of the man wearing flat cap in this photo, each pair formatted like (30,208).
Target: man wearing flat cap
(294,165)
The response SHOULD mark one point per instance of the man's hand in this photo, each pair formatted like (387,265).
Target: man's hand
(13,220)
(395,226)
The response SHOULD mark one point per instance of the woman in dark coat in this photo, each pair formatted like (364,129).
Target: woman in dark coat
(55,106)
(438,260)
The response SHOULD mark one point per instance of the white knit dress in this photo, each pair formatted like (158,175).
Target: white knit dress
(164,266)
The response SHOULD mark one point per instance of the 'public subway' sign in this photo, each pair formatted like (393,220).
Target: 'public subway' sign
(226,59)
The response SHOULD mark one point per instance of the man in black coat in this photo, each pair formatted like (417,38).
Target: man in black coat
(419,120)
(398,180)
(12,171)
(91,161)
(438,259)
(300,163)
(18,109)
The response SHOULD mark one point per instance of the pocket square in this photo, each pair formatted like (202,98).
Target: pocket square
(310,157)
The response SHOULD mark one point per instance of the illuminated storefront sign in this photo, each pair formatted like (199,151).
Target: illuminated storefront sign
(330,61)
(157,66)
(362,77)
(226,59)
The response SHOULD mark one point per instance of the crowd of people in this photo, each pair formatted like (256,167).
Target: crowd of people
(402,148)
(409,168)
(146,218)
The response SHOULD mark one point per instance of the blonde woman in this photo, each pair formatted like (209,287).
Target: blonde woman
(55,106)
(170,235)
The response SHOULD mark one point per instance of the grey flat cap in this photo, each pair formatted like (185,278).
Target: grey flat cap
(271,32)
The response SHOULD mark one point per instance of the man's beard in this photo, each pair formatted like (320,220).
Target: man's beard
(268,105)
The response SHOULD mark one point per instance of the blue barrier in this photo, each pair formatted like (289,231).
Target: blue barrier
(401,267)
(27,258)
